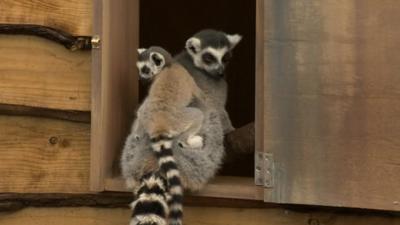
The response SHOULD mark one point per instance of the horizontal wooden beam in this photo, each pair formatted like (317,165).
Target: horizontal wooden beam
(39,73)
(14,201)
(73,16)
(220,187)
(195,216)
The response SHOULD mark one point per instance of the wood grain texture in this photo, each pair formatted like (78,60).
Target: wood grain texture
(39,73)
(18,110)
(332,102)
(220,187)
(193,216)
(43,155)
(115,85)
(17,201)
(73,16)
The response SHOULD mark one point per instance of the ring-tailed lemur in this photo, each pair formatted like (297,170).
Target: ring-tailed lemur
(164,115)
(152,60)
(151,203)
(197,165)
(165,112)
(206,56)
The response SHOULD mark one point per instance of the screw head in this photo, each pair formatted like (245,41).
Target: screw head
(96,41)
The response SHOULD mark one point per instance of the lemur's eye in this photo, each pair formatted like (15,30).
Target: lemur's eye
(227,57)
(208,58)
(156,59)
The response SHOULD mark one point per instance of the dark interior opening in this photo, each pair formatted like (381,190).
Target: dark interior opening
(170,23)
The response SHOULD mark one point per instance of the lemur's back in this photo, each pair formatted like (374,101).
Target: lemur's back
(172,88)
(165,108)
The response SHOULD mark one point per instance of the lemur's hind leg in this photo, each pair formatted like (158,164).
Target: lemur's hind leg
(195,118)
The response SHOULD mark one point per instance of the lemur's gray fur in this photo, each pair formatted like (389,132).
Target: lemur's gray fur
(152,60)
(166,115)
(197,165)
(209,73)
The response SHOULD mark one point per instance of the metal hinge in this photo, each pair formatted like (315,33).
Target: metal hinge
(264,169)
(96,41)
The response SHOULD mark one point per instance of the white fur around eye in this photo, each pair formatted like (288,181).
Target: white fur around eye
(161,57)
(233,39)
(218,53)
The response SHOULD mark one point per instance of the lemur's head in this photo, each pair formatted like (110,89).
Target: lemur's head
(152,60)
(211,50)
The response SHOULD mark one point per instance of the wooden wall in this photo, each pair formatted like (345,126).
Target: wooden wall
(45,127)
(332,109)
(44,100)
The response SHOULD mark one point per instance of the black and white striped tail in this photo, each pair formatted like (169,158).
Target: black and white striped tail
(151,204)
(166,161)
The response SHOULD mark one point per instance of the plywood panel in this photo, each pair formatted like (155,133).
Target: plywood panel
(74,16)
(193,216)
(39,73)
(332,102)
(43,155)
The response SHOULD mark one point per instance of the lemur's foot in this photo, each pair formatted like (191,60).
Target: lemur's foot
(195,141)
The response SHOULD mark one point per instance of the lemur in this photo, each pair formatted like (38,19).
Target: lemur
(151,204)
(198,166)
(164,115)
(150,66)
(206,55)
(166,111)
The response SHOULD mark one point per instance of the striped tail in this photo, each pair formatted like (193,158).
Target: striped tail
(151,206)
(163,150)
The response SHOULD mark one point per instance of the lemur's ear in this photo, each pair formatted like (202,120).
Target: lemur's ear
(157,59)
(234,39)
(141,50)
(193,45)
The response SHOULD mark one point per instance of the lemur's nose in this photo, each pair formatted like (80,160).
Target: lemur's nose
(145,70)
(220,70)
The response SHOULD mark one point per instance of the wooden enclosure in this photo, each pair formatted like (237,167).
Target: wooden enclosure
(115,88)
(325,122)
(319,78)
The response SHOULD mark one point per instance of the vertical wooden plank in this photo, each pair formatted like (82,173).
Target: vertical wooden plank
(96,150)
(114,80)
(332,109)
(259,95)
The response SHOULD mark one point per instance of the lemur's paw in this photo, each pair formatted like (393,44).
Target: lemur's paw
(195,141)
